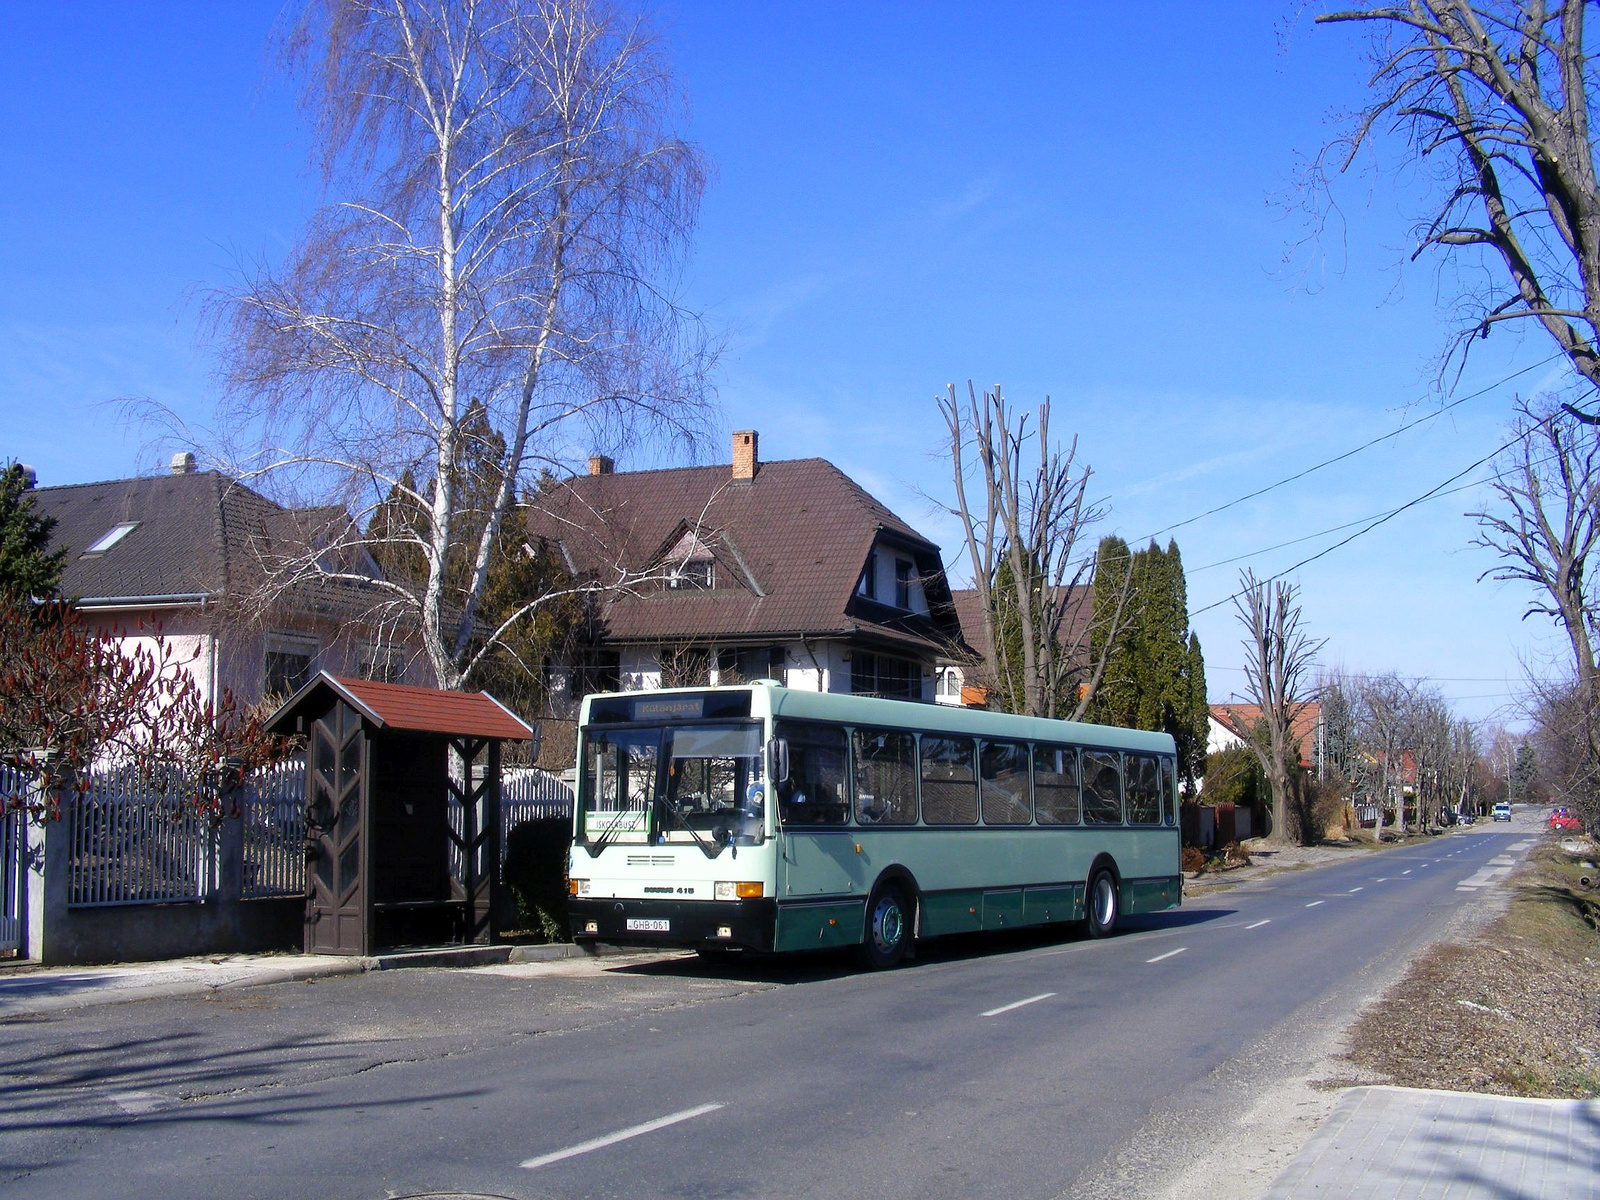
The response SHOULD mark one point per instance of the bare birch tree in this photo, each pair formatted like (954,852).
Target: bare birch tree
(1493,99)
(513,202)
(1023,529)
(1544,528)
(1279,659)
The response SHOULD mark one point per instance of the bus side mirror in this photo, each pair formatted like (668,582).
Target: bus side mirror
(778,761)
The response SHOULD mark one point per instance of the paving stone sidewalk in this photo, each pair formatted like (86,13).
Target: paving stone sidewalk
(1391,1143)
(25,991)
(31,990)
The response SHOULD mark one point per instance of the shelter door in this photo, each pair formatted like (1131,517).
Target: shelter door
(336,910)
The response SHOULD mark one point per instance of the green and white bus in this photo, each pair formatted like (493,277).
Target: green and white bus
(766,819)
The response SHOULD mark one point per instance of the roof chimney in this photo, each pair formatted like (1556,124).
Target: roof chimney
(746,461)
(182,463)
(30,477)
(601,464)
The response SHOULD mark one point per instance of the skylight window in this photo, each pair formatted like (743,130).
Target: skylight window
(112,536)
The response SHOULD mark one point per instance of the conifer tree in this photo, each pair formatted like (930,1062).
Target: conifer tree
(28,568)
(1155,672)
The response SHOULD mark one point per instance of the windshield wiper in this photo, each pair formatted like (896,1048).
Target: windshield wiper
(709,849)
(610,831)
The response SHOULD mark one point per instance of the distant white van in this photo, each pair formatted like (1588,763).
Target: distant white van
(1502,811)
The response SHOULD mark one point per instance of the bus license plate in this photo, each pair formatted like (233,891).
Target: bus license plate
(650,924)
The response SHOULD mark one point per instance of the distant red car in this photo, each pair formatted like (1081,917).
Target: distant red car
(1563,820)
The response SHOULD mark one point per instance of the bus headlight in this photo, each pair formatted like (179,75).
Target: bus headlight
(578,887)
(729,890)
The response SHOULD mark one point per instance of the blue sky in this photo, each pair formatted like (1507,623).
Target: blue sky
(1084,203)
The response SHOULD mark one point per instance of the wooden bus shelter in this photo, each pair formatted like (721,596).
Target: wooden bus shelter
(402,812)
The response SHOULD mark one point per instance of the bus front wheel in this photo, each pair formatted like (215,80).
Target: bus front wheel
(888,932)
(1102,904)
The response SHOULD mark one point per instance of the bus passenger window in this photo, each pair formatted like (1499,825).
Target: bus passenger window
(886,778)
(1004,771)
(814,793)
(1102,787)
(949,784)
(1055,785)
(1144,789)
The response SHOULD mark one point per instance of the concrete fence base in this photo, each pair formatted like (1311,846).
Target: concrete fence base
(59,934)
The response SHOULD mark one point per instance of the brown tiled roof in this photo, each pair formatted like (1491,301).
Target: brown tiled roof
(200,534)
(1240,719)
(178,548)
(401,706)
(789,544)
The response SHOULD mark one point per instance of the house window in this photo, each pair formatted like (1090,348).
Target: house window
(111,537)
(598,672)
(286,665)
(748,663)
(695,576)
(949,686)
(904,573)
(885,675)
(867,585)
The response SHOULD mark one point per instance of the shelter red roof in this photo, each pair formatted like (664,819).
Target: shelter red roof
(419,709)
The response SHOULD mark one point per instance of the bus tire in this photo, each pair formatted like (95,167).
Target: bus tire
(1102,904)
(887,935)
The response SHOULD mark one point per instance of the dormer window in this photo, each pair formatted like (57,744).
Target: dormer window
(867,585)
(695,575)
(111,537)
(905,573)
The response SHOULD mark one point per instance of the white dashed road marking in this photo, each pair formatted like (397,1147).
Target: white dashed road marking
(621,1135)
(1259,924)
(1004,1008)
(1168,954)
(1314,903)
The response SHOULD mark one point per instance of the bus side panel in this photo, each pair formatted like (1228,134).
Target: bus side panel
(820,864)
(951,912)
(1048,905)
(1002,909)
(1151,895)
(820,926)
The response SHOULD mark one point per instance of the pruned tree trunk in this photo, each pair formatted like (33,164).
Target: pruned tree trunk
(1022,532)
(1278,663)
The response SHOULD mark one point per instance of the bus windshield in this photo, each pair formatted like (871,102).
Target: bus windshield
(667,784)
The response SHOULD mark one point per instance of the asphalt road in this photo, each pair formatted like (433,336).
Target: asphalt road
(1013,1068)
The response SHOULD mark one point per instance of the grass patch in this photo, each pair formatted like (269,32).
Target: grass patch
(1514,1011)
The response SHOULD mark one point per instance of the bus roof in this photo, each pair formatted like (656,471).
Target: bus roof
(933,718)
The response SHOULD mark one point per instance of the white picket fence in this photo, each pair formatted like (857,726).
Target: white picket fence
(133,843)
(273,808)
(529,794)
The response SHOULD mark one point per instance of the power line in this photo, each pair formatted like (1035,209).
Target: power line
(1388,516)
(1466,487)
(1393,433)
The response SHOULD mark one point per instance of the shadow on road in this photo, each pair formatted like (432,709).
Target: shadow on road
(816,966)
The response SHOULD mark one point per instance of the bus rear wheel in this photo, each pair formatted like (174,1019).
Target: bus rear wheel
(1102,905)
(888,932)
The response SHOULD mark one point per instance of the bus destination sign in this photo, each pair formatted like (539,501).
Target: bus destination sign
(683,708)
